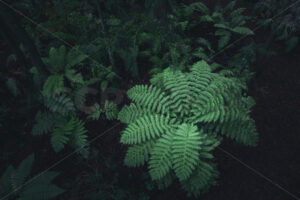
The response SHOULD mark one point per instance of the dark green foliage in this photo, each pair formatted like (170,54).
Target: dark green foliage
(16,183)
(282,18)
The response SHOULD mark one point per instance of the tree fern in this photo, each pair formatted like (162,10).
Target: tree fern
(184,115)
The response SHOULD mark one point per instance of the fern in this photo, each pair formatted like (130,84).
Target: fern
(72,131)
(60,104)
(183,115)
(185,153)
(111,110)
(95,113)
(22,172)
(45,123)
(53,85)
(74,77)
(139,154)
(160,162)
(60,134)
(60,60)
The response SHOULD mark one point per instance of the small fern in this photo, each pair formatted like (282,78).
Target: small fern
(53,85)
(111,110)
(95,113)
(72,130)
(45,123)
(64,130)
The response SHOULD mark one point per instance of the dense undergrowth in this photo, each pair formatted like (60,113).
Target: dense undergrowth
(185,67)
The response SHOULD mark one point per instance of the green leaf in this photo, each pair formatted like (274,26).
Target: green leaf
(22,172)
(5,181)
(73,76)
(223,41)
(242,30)
(223,26)
(104,85)
(185,155)
(74,60)
(11,84)
(206,18)
(53,85)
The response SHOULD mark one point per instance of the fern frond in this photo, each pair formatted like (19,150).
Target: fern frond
(61,104)
(74,57)
(180,97)
(60,134)
(95,112)
(53,85)
(241,130)
(111,110)
(150,97)
(56,61)
(22,172)
(160,162)
(185,156)
(78,136)
(146,128)
(131,113)
(74,77)
(45,123)
(80,97)
(137,155)
(5,181)
(166,181)
(201,179)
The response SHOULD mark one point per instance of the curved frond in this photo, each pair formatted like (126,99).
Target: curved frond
(146,128)
(160,161)
(150,97)
(185,147)
(137,155)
